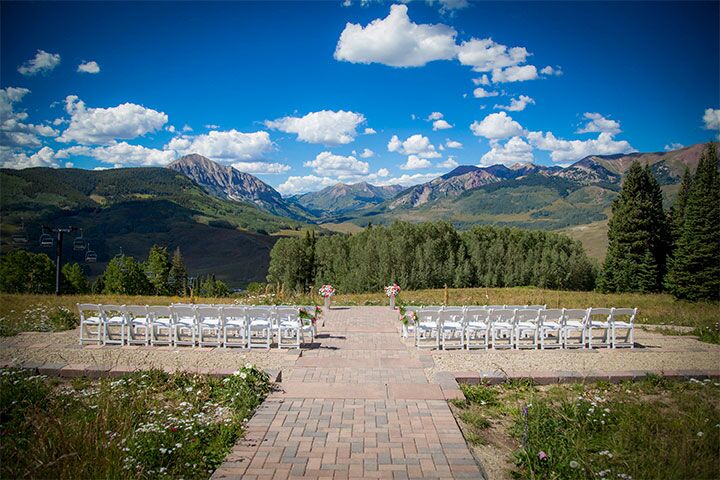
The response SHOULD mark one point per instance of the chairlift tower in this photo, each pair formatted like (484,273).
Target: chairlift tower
(60,232)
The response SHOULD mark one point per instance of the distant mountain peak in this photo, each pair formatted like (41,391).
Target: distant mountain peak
(228,183)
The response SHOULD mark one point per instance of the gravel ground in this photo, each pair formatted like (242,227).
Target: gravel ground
(660,352)
(63,347)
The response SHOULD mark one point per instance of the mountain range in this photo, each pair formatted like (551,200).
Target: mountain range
(226,221)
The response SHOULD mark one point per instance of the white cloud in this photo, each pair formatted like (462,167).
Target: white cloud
(15,132)
(105,125)
(711,119)
(329,164)
(453,144)
(496,126)
(435,116)
(369,131)
(396,41)
(308,183)
(367,153)
(407,180)
(513,151)
(170,128)
(69,165)
(597,123)
(549,70)
(261,167)
(43,62)
(515,74)
(326,126)
(485,55)
(45,157)
(212,126)
(441,125)
(413,145)
(673,146)
(187,128)
(121,155)
(89,67)
(449,163)
(484,80)
(572,150)
(226,146)
(415,163)
(447,6)
(482,93)
(517,104)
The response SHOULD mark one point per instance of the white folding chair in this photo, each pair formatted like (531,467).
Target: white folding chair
(574,321)
(138,319)
(628,325)
(260,327)
(235,320)
(113,316)
(451,328)
(209,319)
(502,325)
(184,325)
(536,307)
(90,316)
(599,319)
(289,327)
(161,325)
(526,328)
(427,329)
(550,323)
(476,328)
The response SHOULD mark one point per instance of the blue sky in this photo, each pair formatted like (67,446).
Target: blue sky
(307,94)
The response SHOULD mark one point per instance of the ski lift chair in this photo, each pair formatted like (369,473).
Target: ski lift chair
(79,243)
(90,255)
(46,240)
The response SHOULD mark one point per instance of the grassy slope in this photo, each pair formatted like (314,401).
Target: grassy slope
(135,208)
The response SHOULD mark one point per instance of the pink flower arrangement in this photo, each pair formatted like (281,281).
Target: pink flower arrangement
(392,290)
(542,456)
(326,291)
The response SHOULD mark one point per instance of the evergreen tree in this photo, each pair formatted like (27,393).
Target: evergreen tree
(74,279)
(123,275)
(26,272)
(178,275)
(157,269)
(637,236)
(695,265)
(677,211)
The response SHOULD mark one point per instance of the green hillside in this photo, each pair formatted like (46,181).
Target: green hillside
(131,209)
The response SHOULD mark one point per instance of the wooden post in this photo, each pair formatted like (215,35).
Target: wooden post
(446,295)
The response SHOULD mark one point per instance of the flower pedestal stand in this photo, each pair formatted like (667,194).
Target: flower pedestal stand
(327,303)
(404,330)
(392,302)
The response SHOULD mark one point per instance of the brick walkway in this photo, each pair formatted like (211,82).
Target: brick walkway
(358,406)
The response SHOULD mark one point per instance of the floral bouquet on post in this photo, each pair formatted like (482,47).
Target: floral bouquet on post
(327,291)
(392,291)
(407,317)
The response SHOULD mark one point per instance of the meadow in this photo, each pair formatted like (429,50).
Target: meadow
(653,428)
(144,425)
(49,313)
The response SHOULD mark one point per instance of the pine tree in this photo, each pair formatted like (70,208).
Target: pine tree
(157,269)
(695,265)
(677,211)
(637,236)
(177,277)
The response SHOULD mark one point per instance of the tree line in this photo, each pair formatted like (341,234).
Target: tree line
(650,249)
(431,255)
(26,272)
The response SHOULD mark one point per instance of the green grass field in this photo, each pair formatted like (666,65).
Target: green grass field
(42,312)
(650,429)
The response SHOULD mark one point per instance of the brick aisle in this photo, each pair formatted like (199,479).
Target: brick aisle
(357,406)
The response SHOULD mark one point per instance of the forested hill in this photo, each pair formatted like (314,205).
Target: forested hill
(133,208)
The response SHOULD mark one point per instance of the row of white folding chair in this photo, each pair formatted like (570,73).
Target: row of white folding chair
(185,324)
(478,327)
